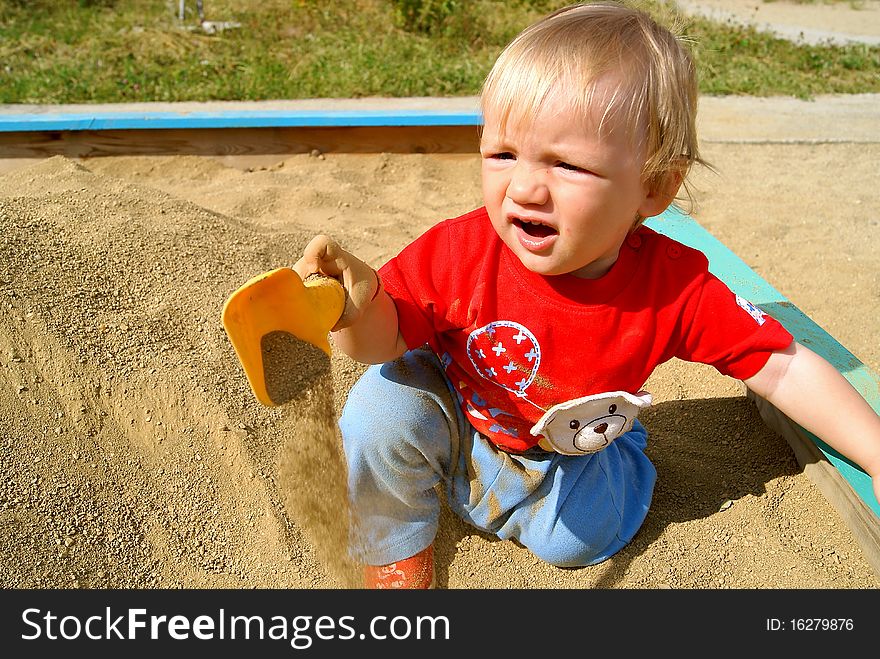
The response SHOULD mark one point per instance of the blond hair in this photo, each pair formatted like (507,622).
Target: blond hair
(653,83)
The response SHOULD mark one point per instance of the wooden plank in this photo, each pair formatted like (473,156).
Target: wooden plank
(844,484)
(744,281)
(859,518)
(240,141)
(60,119)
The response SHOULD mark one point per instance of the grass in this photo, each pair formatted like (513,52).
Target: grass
(102,51)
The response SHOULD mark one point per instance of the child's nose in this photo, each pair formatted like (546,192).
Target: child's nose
(528,185)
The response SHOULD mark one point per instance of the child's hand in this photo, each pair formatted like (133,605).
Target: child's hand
(324,255)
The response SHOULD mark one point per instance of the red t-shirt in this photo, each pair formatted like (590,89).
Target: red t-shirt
(514,343)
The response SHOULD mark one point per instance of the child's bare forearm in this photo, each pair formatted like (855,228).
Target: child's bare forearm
(375,337)
(815,395)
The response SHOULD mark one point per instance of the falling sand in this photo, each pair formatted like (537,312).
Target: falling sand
(311,472)
(291,366)
(312,479)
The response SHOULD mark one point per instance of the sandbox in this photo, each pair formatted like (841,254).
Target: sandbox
(136,456)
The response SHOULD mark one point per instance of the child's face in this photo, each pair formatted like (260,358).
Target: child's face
(559,194)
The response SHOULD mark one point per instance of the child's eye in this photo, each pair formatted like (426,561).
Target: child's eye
(504,155)
(570,167)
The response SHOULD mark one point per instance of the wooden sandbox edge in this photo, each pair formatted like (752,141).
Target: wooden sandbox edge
(860,519)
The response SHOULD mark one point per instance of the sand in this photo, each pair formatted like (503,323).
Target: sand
(134,455)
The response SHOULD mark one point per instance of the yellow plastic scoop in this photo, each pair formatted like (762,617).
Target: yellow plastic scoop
(279,326)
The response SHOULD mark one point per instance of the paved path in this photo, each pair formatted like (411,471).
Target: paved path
(814,23)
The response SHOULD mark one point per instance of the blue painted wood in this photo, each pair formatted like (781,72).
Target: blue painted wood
(728,267)
(99,120)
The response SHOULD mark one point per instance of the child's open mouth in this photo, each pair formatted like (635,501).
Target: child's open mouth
(534,236)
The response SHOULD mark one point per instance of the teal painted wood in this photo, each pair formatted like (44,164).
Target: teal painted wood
(51,121)
(732,270)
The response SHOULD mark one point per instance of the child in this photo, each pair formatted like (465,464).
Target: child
(510,344)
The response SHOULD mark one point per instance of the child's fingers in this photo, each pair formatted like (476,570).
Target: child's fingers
(322,254)
(325,255)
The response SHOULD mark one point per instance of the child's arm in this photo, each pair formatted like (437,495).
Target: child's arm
(815,395)
(368,330)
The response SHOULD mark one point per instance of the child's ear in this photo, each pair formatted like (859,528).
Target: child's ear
(661,193)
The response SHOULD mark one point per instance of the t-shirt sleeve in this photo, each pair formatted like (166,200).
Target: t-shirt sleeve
(727,331)
(415,280)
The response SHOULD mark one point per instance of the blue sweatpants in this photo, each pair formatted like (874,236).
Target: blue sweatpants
(404,434)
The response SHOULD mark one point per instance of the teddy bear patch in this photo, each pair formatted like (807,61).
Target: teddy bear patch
(589,424)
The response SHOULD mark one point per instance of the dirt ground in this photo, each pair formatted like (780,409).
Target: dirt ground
(133,454)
